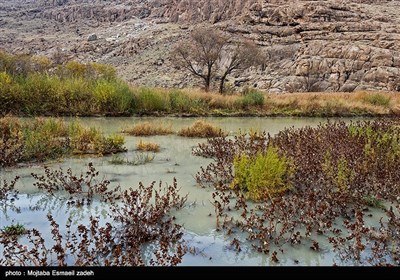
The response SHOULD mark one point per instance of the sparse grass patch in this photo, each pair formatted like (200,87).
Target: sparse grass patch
(374,202)
(148,129)
(14,230)
(201,129)
(147,147)
(377,99)
(138,159)
(251,99)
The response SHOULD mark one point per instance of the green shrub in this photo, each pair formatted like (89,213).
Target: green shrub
(84,140)
(180,102)
(377,99)
(45,139)
(149,100)
(6,96)
(41,94)
(77,97)
(264,175)
(91,141)
(112,144)
(252,99)
(111,96)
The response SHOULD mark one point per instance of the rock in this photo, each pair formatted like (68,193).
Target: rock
(92,37)
(329,45)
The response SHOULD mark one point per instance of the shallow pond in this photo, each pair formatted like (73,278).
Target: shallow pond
(174,160)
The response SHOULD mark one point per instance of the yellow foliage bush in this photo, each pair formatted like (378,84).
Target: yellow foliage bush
(263,176)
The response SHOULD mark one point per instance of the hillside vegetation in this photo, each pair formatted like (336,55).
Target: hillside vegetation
(38,86)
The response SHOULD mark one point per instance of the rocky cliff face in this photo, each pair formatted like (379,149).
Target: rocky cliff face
(330,45)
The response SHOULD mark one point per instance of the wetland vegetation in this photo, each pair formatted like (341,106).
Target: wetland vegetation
(39,86)
(331,188)
(314,183)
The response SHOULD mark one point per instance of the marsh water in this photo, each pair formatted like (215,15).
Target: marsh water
(175,160)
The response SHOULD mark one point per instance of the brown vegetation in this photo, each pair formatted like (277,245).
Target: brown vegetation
(340,171)
(147,147)
(201,129)
(148,129)
(136,218)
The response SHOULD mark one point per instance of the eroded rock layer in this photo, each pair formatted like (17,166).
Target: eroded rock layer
(308,45)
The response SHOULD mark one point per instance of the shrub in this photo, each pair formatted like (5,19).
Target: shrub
(112,97)
(264,175)
(180,102)
(150,100)
(11,141)
(252,99)
(148,129)
(147,147)
(45,139)
(77,97)
(91,141)
(112,144)
(201,129)
(74,88)
(40,94)
(377,99)
(339,169)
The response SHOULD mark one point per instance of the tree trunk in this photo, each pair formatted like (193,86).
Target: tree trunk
(222,82)
(207,80)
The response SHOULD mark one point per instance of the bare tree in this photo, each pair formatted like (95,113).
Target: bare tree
(208,53)
(201,54)
(241,57)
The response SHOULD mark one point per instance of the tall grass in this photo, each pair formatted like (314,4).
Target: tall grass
(36,86)
(43,139)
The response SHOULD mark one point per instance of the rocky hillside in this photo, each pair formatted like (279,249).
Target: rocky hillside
(309,45)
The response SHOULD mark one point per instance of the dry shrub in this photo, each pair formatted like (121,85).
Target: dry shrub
(148,129)
(139,229)
(147,147)
(11,141)
(340,170)
(201,129)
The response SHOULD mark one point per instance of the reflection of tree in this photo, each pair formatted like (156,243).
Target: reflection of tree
(58,205)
